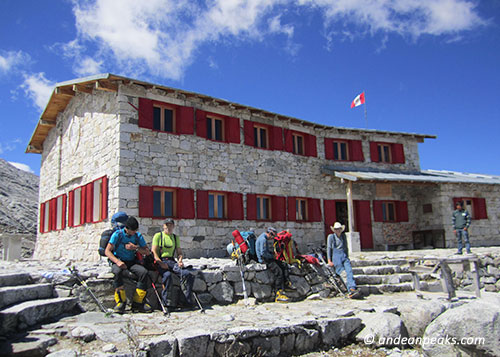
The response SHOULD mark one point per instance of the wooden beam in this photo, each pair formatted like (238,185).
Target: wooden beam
(106,86)
(81,88)
(45,122)
(34,149)
(65,91)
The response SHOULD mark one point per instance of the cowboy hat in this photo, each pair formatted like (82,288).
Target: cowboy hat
(337,225)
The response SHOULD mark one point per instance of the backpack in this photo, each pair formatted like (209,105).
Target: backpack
(243,246)
(283,248)
(117,221)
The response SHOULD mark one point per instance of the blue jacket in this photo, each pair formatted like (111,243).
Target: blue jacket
(262,249)
(123,238)
(337,247)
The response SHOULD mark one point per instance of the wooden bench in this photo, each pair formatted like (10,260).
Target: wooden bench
(446,277)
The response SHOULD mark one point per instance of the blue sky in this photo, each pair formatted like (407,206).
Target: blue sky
(426,66)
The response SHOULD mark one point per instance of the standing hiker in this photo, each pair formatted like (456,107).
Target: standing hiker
(278,268)
(165,245)
(121,251)
(460,222)
(338,256)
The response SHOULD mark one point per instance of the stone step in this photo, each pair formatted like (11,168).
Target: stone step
(10,295)
(365,263)
(15,279)
(380,270)
(385,288)
(382,279)
(21,316)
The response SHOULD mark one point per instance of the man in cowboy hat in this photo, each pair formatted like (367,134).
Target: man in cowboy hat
(337,254)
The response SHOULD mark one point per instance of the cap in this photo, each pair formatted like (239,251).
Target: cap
(169,221)
(271,229)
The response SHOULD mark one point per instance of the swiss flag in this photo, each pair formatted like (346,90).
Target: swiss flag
(360,99)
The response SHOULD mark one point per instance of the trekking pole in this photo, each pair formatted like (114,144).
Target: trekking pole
(330,274)
(183,283)
(82,282)
(245,294)
(163,308)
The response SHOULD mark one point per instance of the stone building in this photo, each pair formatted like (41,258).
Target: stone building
(110,143)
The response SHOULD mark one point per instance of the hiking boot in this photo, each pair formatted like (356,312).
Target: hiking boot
(353,294)
(141,307)
(121,301)
(458,253)
(281,297)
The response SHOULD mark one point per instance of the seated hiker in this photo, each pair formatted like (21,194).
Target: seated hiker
(165,246)
(338,256)
(121,251)
(278,268)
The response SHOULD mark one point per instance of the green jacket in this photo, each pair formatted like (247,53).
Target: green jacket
(460,219)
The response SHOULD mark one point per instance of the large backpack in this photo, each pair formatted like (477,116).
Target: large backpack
(243,246)
(283,248)
(117,222)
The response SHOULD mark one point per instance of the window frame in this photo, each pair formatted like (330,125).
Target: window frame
(258,138)
(298,148)
(337,147)
(213,119)
(301,209)
(162,107)
(216,195)
(382,154)
(387,207)
(162,202)
(60,217)
(102,215)
(260,203)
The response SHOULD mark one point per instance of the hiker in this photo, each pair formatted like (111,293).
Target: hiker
(338,256)
(278,268)
(121,251)
(460,222)
(165,245)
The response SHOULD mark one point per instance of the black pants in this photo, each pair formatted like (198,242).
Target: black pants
(280,272)
(183,274)
(141,274)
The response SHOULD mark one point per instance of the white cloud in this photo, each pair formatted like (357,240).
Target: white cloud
(12,59)
(23,167)
(161,37)
(38,88)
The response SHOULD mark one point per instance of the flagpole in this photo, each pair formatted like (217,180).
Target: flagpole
(366,118)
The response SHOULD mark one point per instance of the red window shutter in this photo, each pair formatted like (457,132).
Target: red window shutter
(278,208)
(42,218)
(398,155)
(235,206)
(288,141)
(64,204)
(71,208)
(329,149)
(185,203)
(232,130)
(479,208)
(276,139)
(374,152)
(314,209)
(52,214)
(104,201)
(89,202)
(402,211)
(145,201)
(251,206)
(310,145)
(248,133)
(184,120)
(145,113)
(201,123)
(377,211)
(356,150)
(330,212)
(202,204)
(292,212)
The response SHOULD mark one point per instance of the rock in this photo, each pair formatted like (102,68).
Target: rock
(238,288)
(492,271)
(306,340)
(386,329)
(416,317)
(478,322)
(192,342)
(163,346)
(249,302)
(264,277)
(228,318)
(83,333)
(490,287)
(199,285)
(211,277)
(300,284)
(222,292)
(338,331)
(261,291)
(63,353)
(266,346)
(109,348)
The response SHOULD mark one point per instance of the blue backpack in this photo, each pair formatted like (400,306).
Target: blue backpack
(117,222)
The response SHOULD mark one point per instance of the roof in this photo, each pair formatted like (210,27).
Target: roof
(65,91)
(424,176)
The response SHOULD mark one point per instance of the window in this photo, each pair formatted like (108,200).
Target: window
(298,144)
(427,208)
(384,152)
(164,202)
(301,209)
(263,208)
(163,118)
(60,213)
(53,214)
(260,136)
(97,200)
(388,212)
(217,207)
(340,151)
(215,129)
(474,205)
(44,217)
(391,153)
